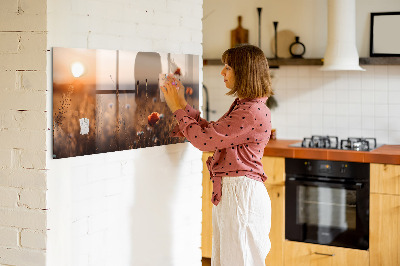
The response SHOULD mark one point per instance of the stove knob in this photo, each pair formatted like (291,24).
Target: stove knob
(308,166)
(343,168)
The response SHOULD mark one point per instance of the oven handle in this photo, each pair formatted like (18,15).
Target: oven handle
(357,185)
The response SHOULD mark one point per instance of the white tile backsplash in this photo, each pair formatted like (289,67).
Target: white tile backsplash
(367,96)
(342,122)
(381,97)
(316,82)
(381,122)
(291,71)
(367,123)
(393,71)
(394,123)
(394,97)
(382,136)
(292,82)
(367,110)
(355,96)
(304,82)
(394,110)
(343,103)
(381,110)
(381,84)
(355,109)
(394,137)
(342,81)
(394,82)
(342,109)
(304,72)
(380,71)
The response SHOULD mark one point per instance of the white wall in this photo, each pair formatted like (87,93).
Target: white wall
(23,133)
(304,18)
(135,207)
(311,102)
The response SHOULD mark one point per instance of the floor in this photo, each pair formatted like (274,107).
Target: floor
(206,261)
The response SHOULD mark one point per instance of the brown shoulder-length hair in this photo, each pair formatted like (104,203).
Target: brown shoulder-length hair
(250,66)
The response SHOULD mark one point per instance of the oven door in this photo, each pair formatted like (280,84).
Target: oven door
(327,213)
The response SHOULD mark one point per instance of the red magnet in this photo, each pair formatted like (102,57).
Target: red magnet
(153,118)
(178,72)
(189,91)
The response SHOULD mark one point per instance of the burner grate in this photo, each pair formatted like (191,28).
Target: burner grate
(358,144)
(327,142)
(332,142)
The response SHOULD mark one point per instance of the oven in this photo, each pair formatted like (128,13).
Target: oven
(327,202)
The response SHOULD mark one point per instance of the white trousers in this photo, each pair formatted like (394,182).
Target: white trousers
(241,223)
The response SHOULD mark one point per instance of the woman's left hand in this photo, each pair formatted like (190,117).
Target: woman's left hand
(170,90)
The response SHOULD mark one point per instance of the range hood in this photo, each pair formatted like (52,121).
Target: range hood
(341,51)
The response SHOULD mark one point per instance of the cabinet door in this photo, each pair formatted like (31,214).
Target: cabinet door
(206,232)
(385,178)
(305,254)
(277,233)
(384,236)
(274,168)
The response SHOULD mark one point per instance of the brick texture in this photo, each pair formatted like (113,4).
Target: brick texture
(33,239)
(9,237)
(23,64)
(91,198)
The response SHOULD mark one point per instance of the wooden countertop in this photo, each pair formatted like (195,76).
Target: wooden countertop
(389,154)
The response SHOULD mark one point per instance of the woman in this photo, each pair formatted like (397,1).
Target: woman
(242,207)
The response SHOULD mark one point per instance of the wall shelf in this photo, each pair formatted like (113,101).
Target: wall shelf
(380,61)
(274,63)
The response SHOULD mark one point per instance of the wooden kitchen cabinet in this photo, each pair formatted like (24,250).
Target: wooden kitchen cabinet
(385,178)
(384,236)
(274,168)
(206,225)
(305,254)
(277,233)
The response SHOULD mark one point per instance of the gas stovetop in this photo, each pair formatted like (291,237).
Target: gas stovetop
(332,142)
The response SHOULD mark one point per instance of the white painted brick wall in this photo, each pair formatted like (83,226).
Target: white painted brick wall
(23,218)
(23,132)
(9,237)
(22,256)
(136,207)
(23,16)
(23,178)
(34,239)
(8,197)
(33,198)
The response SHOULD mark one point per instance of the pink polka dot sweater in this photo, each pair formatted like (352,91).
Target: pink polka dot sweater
(238,139)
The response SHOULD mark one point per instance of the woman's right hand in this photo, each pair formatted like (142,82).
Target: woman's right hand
(181,91)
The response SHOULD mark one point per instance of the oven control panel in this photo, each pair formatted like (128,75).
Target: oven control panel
(338,169)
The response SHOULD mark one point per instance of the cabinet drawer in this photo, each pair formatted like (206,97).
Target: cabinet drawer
(305,254)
